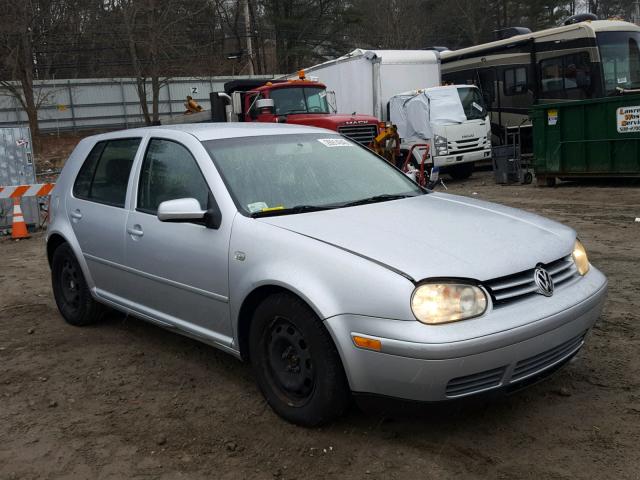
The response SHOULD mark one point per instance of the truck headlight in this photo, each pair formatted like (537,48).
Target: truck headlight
(580,258)
(440,144)
(436,303)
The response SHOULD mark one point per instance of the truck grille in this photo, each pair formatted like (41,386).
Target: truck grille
(363,134)
(467,145)
(519,285)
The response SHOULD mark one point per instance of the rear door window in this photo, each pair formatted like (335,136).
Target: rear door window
(104,176)
(83,181)
(169,172)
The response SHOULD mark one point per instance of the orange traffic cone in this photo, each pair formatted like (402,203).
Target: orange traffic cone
(19,227)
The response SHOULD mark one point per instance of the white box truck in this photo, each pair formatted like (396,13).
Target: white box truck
(364,81)
(451,119)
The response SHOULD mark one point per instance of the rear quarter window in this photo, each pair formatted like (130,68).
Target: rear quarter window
(104,175)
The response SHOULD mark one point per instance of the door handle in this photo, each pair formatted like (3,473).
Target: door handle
(136,231)
(77,214)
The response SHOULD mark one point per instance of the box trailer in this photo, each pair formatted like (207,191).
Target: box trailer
(365,80)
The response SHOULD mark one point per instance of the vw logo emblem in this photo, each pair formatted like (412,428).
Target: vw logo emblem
(543,281)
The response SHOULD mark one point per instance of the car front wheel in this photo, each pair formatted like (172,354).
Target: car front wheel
(296,363)
(70,289)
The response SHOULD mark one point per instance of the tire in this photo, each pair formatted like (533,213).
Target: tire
(528,178)
(70,289)
(296,363)
(461,172)
(550,181)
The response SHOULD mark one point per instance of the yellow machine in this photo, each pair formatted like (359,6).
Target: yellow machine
(387,143)
(192,106)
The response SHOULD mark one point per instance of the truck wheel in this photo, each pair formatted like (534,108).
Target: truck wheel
(296,363)
(550,181)
(460,172)
(528,178)
(70,289)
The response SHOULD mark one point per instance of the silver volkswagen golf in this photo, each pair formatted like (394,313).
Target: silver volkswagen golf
(326,268)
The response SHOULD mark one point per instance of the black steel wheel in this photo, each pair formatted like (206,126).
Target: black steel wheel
(528,178)
(289,361)
(296,363)
(70,290)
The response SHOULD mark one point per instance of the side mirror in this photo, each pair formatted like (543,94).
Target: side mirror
(332,102)
(180,210)
(266,104)
(236,102)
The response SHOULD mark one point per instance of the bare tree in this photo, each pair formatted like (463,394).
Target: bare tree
(17,52)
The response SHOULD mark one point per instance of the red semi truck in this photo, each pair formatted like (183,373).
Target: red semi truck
(299,101)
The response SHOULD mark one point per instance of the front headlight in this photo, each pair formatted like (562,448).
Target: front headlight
(441,145)
(435,303)
(580,258)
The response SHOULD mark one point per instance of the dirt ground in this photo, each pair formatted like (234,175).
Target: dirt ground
(124,399)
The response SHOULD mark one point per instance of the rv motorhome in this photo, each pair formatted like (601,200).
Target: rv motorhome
(577,61)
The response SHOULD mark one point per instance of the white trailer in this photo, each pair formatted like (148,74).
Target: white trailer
(365,80)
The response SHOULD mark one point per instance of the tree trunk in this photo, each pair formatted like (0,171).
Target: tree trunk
(155,99)
(26,81)
(142,98)
(32,115)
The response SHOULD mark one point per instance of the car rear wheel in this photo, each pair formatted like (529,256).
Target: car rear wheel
(296,363)
(70,289)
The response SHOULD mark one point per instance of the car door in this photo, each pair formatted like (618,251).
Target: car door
(96,209)
(179,271)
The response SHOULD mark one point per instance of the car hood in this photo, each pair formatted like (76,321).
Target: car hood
(437,235)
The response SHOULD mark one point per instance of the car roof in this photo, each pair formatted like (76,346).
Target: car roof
(216,131)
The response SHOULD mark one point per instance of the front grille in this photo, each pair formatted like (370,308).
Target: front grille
(475,383)
(363,134)
(466,145)
(537,363)
(519,285)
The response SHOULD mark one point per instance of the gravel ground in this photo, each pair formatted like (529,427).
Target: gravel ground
(124,399)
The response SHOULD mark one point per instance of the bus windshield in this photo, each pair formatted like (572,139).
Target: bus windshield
(472,103)
(300,100)
(620,57)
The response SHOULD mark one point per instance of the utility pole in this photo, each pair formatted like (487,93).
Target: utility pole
(247,33)
(635,17)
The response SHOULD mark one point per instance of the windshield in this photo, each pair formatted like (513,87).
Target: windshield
(300,100)
(472,103)
(620,57)
(280,172)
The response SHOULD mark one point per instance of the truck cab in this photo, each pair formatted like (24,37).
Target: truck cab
(452,119)
(300,101)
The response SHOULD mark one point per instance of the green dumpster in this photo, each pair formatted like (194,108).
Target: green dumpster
(587,138)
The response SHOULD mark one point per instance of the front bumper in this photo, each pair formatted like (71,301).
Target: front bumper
(459,158)
(433,370)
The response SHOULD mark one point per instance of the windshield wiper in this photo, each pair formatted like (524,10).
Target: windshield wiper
(291,210)
(376,199)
